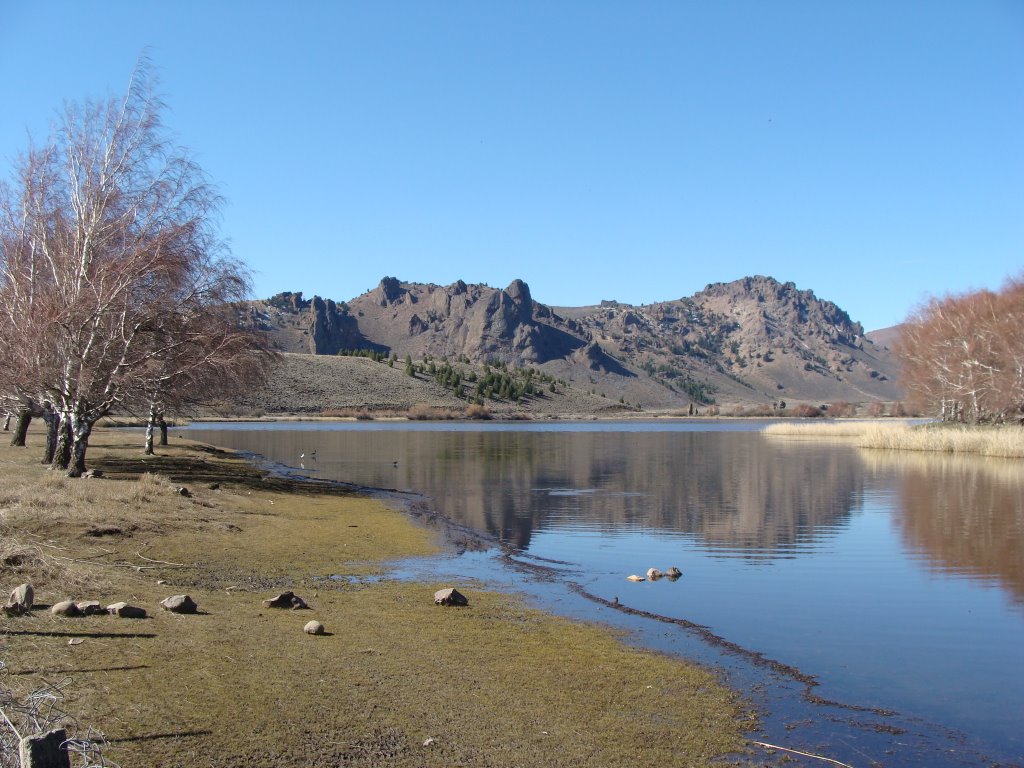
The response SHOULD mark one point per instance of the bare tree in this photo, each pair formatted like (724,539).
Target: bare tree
(110,266)
(963,356)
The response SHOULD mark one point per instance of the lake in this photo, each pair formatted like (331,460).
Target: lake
(870,604)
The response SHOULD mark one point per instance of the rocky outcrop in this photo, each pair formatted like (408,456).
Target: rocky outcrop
(388,291)
(331,328)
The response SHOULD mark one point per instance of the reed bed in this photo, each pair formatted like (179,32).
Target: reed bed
(1005,441)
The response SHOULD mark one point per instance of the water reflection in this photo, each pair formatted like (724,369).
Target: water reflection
(964,513)
(848,565)
(735,491)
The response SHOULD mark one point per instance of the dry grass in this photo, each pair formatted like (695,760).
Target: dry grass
(993,441)
(834,429)
(495,684)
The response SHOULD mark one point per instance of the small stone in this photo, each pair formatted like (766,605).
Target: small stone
(429,742)
(125,611)
(93,473)
(179,604)
(21,598)
(184,492)
(313,628)
(634,577)
(65,608)
(450,596)
(284,600)
(90,607)
(654,574)
(673,573)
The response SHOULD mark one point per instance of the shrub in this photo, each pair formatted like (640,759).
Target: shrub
(477,411)
(842,409)
(806,411)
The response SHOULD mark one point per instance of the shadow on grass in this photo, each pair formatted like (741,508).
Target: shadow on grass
(92,635)
(157,736)
(77,671)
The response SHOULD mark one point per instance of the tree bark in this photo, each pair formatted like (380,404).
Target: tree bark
(150,426)
(81,428)
(45,750)
(21,427)
(52,425)
(62,450)
(7,422)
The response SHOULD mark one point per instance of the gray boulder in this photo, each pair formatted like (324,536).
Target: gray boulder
(90,607)
(66,608)
(125,611)
(313,628)
(283,600)
(450,596)
(22,597)
(179,604)
(286,600)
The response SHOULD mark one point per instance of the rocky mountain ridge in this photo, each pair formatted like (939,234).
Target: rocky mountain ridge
(751,340)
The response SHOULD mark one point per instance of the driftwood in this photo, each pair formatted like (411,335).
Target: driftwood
(804,754)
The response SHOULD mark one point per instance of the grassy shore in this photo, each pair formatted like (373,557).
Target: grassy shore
(995,441)
(396,681)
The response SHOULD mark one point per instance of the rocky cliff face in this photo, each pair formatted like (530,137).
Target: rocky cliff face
(754,339)
(463,321)
(317,326)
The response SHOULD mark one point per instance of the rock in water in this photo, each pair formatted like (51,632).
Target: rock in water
(126,611)
(313,628)
(673,573)
(450,596)
(654,574)
(179,604)
(66,608)
(634,577)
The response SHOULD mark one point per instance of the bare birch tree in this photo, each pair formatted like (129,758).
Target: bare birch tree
(110,266)
(963,356)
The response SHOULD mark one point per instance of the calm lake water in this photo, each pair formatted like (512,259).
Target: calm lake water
(896,581)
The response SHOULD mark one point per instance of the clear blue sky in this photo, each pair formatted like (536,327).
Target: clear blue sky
(870,151)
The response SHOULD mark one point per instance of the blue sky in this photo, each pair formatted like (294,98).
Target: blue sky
(870,151)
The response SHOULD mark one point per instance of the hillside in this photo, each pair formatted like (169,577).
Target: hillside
(754,340)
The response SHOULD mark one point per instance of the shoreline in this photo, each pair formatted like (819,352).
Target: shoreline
(228,545)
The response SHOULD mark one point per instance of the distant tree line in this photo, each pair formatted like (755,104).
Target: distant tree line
(115,291)
(962,356)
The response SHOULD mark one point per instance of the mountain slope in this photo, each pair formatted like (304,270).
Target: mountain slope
(751,340)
